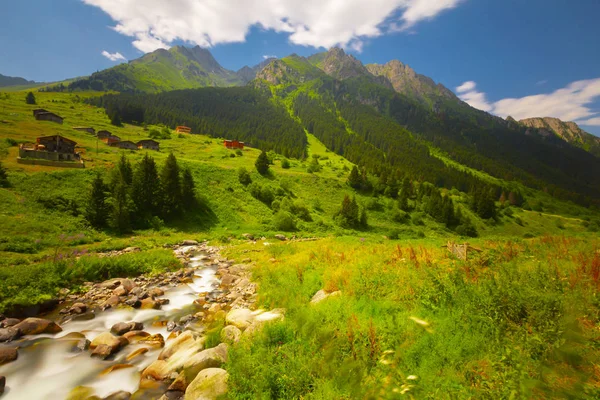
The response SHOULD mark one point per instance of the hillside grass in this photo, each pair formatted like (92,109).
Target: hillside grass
(518,320)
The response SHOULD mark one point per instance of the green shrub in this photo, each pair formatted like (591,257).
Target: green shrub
(283,221)
(285,163)
(244,176)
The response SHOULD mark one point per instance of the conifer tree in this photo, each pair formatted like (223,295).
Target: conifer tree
(123,169)
(403,200)
(188,190)
(30,98)
(354,178)
(120,201)
(170,182)
(97,210)
(145,191)
(262,163)
(3,176)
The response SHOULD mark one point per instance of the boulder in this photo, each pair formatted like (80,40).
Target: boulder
(120,291)
(8,322)
(183,341)
(149,304)
(81,345)
(240,318)
(107,344)
(9,334)
(134,302)
(8,354)
(228,280)
(189,243)
(135,335)
(78,308)
(123,327)
(248,236)
(322,295)
(208,385)
(159,370)
(280,237)
(179,384)
(136,353)
(230,334)
(155,292)
(112,301)
(156,340)
(36,326)
(210,358)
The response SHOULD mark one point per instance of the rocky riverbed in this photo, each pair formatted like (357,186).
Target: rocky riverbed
(140,338)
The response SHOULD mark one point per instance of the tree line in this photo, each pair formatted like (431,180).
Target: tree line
(141,196)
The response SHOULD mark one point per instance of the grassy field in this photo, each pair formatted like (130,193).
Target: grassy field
(517,320)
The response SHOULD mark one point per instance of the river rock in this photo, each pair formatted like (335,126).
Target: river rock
(280,237)
(121,395)
(123,327)
(78,308)
(9,334)
(208,385)
(179,384)
(228,280)
(248,236)
(120,291)
(156,340)
(36,326)
(230,334)
(2,384)
(189,243)
(149,304)
(155,292)
(107,344)
(322,295)
(112,301)
(209,358)
(136,353)
(240,318)
(8,354)
(134,302)
(159,370)
(8,322)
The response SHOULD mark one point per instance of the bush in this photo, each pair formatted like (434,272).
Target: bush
(283,221)
(239,153)
(394,234)
(244,176)
(285,163)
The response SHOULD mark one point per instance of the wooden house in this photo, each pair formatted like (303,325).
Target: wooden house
(48,116)
(111,140)
(103,134)
(148,144)
(234,144)
(85,129)
(50,148)
(127,145)
(39,110)
(183,129)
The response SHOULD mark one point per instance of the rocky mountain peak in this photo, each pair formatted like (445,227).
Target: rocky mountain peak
(337,64)
(568,131)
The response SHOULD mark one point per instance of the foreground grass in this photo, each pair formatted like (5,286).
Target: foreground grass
(519,320)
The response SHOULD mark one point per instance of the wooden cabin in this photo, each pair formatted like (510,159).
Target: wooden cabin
(50,148)
(48,116)
(234,144)
(183,129)
(148,144)
(85,129)
(111,140)
(56,143)
(126,145)
(103,134)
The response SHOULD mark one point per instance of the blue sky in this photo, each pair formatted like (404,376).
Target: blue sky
(519,57)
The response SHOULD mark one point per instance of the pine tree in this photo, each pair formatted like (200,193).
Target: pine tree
(354,178)
(124,170)
(188,190)
(403,200)
(3,176)
(97,210)
(120,201)
(262,163)
(30,98)
(116,120)
(170,188)
(146,189)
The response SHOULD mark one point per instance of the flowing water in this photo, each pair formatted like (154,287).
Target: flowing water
(48,367)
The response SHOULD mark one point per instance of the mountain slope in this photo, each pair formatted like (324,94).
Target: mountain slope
(162,70)
(568,131)
(247,73)
(13,81)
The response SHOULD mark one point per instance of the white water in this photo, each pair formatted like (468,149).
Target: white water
(48,369)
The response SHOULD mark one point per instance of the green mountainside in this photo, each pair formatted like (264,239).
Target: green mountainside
(14,81)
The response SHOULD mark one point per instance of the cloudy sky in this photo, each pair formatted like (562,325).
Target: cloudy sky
(523,58)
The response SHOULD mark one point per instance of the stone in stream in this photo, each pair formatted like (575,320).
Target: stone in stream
(189,243)
(149,304)
(112,301)
(240,318)
(120,395)
(8,322)
(159,370)
(8,354)
(9,334)
(120,291)
(2,384)
(184,341)
(156,340)
(78,308)
(171,325)
(106,344)
(208,385)
(179,384)
(135,335)
(136,353)
(36,326)
(155,292)
(122,328)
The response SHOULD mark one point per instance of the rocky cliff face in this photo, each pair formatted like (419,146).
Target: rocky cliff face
(406,81)
(339,65)
(568,131)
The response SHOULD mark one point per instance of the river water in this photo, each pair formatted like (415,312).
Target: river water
(49,368)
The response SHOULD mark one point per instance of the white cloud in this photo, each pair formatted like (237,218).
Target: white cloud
(266,56)
(318,23)
(468,93)
(114,56)
(571,103)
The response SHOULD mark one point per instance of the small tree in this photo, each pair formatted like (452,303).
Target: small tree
(145,189)
(116,120)
(188,190)
(3,176)
(120,202)
(171,187)
(30,98)
(244,176)
(262,163)
(354,179)
(96,210)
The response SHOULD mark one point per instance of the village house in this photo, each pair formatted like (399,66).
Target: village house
(148,144)
(103,134)
(43,115)
(234,144)
(39,110)
(127,145)
(52,149)
(183,129)
(111,140)
(85,129)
